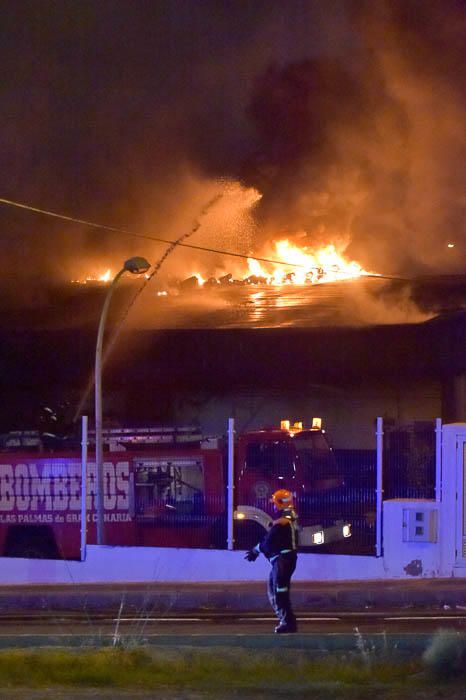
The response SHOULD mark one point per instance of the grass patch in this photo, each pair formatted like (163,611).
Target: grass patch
(220,669)
(247,673)
(445,657)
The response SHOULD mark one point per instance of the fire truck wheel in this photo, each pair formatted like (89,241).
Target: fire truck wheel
(247,534)
(31,542)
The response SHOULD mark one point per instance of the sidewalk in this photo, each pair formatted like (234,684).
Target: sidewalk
(231,597)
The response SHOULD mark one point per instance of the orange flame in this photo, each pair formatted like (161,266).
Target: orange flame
(323,265)
(104,278)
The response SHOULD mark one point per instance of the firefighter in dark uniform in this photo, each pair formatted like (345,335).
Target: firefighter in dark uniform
(280,547)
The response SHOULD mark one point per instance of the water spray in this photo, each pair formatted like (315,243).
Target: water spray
(116,333)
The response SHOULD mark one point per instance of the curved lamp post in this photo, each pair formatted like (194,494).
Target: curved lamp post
(136,266)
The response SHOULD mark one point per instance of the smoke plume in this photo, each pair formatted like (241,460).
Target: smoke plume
(370,151)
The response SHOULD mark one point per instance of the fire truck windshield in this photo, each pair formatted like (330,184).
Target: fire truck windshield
(270,458)
(315,455)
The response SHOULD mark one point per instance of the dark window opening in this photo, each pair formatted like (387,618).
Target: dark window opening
(272,459)
(316,458)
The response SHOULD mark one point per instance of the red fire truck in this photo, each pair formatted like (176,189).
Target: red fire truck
(162,487)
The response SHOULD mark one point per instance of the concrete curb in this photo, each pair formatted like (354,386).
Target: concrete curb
(240,596)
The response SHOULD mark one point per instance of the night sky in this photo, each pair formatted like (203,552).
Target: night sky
(348,117)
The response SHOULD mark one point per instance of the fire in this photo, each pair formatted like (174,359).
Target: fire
(104,278)
(200,279)
(304,266)
(299,266)
(323,265)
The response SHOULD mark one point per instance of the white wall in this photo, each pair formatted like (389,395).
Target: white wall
(442,557)
(403,556)
(451,515)
(146,564)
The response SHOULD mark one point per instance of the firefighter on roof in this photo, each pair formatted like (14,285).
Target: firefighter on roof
(280,546)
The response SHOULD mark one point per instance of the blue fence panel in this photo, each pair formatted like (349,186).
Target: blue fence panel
(409,460)
(358,504)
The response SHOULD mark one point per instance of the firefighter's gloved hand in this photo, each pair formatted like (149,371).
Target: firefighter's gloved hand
(251,555)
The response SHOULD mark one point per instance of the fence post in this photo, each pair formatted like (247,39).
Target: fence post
(438,460)
(231,482)
(379,487)
(83,487)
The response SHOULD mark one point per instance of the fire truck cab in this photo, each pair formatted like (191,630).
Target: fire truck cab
(298,459)
(292,457)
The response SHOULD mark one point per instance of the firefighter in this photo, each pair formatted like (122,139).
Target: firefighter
(280,546)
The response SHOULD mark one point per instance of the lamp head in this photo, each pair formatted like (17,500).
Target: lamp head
(136,265)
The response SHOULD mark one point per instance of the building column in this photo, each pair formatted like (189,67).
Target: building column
(454,399)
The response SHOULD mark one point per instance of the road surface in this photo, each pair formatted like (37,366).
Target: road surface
(20,628)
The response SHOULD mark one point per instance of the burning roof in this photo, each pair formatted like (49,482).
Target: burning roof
(291,264)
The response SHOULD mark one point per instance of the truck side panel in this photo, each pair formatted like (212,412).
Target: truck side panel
(40,503)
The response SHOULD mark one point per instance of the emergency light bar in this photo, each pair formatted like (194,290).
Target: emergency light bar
(292,429)
(297,426)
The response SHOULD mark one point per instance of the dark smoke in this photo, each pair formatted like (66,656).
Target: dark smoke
(308,115)
(370,151)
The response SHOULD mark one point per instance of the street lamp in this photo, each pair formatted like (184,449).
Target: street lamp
(136,266)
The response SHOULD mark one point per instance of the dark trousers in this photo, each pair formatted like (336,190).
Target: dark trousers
(278,588)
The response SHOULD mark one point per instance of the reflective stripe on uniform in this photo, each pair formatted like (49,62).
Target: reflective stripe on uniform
(282,590)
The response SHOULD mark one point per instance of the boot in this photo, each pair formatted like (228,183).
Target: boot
(283,628)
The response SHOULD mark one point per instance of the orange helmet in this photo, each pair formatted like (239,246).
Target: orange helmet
(282,499)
